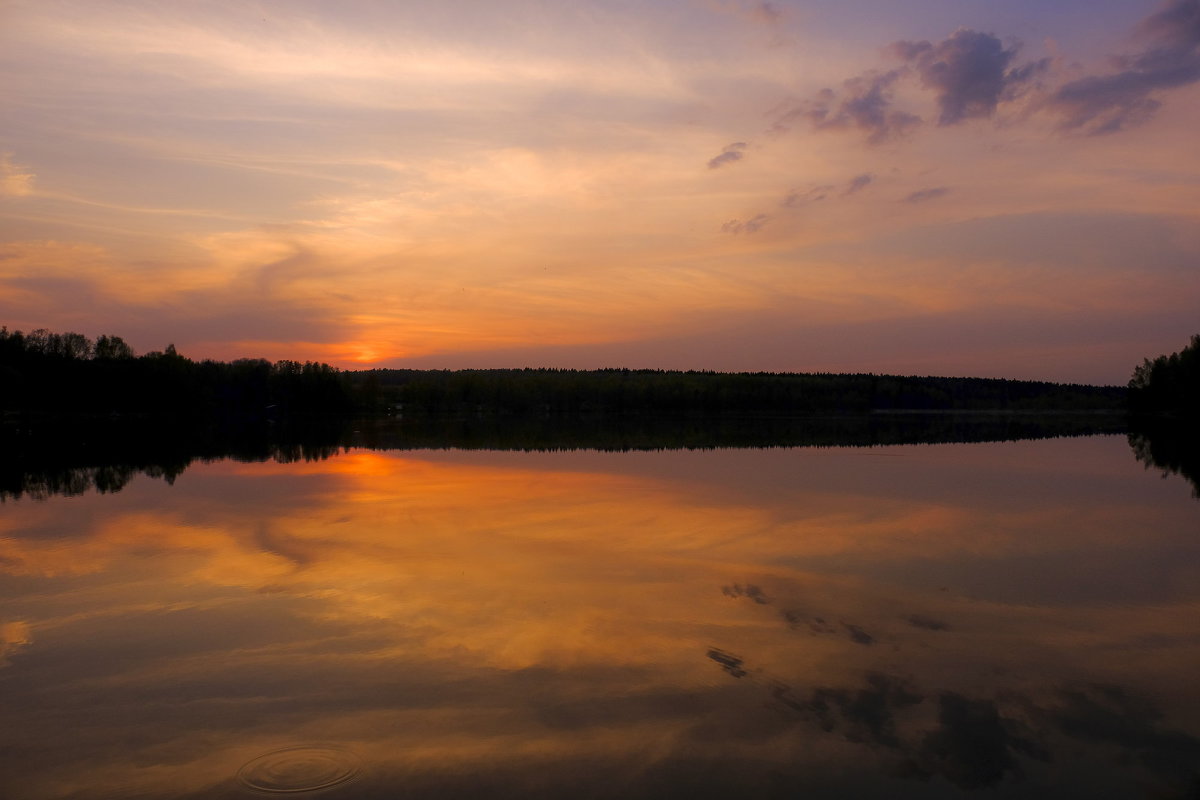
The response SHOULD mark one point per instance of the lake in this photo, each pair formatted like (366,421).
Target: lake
(1010,619)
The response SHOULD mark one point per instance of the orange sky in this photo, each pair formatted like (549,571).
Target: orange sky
(952,189)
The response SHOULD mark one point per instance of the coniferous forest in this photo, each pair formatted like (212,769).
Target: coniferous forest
(69,373)
(46,372)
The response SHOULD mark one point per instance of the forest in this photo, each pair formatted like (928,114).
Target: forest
(667,392)
(44,372)
(47,372)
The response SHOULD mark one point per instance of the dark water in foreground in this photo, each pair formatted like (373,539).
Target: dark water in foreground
(1007,620)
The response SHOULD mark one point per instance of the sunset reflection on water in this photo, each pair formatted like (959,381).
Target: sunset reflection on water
(904,621)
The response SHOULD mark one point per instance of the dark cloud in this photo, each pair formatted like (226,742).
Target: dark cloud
(752,225)
(972,73)
(973,745)
(750,591)
(796,621)
(1099,104)
(867,714)
(859,182)
(731,153)
(821,626)
(863,104)
(1111,715)
(857,634)
(975,742)
(1176,24)
(969,72)
(928,623)
(922,195)
(729,662)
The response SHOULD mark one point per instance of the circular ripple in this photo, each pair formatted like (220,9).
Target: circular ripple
(299,769)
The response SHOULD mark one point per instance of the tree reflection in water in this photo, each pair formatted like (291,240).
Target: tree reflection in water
(1015,619)
(1170,445)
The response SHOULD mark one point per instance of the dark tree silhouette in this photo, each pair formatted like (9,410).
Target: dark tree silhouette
(1168,384)
(68,373)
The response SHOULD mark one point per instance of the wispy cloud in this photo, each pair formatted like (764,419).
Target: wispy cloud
(15,180)
(1099,104)
(797,198)
(864,103)
(728,155)
(858,183)
(752,225)
(925,195)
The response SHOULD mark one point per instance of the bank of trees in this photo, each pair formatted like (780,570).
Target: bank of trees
(624,391)
(1168,384)
(68,372)
(42,371)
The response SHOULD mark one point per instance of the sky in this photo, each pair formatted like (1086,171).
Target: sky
(946,187)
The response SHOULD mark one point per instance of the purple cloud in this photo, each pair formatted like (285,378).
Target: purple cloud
(924,195)
(1099,104)
(797,198)
(858,183)
(969,73)
(864,104)
(731,153)
(752,225)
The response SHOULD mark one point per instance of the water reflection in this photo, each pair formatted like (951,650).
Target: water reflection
(913,621)
(1170,445)
(70,456)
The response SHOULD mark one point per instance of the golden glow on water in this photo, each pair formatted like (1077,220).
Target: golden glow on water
(454,619)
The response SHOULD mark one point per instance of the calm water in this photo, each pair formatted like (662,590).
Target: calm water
(1012,619)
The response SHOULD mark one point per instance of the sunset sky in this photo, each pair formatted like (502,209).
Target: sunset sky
(956,187)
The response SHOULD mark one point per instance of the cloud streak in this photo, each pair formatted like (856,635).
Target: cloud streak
(730,154)
(1100,104)
(925,195)
(752,225)
(858,183)
(863,104)
(15,180)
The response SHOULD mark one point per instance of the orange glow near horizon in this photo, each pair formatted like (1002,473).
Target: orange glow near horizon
(378,186)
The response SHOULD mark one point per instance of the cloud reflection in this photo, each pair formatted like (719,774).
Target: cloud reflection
(451,617)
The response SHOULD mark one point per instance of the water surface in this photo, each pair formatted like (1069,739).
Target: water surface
(1013,619)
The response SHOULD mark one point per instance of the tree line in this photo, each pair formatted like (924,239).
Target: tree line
(42,371)
(70,373)
(671,392)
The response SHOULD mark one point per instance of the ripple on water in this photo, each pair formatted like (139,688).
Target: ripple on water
(303,768)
